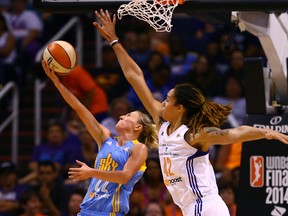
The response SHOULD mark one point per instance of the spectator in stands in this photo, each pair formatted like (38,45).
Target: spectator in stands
(135,202)
(118,107)
(82,85)
(75,199)
(51,188)
(89,146)
(89,150)
(27,28)
(159,42)
(153,209)
(153,188)
(159,84)
(154,60)
(72,122)
(227,193)
(179,59)
(228,157)
(236,65)
(55,149)
(31,204)
(129,40)
(234,93)
(142,50)
(109,76)
(10,190)
(8,70)
(203,76)
(171,209)
(4,10)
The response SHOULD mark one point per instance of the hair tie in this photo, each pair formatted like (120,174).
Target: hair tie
(202,104)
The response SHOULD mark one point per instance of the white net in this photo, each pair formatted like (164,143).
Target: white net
(157,13)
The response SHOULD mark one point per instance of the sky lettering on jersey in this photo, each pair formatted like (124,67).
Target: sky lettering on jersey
(108,164)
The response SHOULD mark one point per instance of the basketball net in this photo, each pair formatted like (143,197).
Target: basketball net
(158,13)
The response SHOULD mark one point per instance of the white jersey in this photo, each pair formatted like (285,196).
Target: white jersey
(187,172)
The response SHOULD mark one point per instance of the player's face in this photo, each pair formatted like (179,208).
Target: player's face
(128,121)
(169,108)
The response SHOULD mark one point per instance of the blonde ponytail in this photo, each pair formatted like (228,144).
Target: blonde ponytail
(149,134)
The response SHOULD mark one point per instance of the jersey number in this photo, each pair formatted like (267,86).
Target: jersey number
(102,188)
(167,166)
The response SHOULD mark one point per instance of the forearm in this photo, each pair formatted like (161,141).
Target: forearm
(248,133)
(120,177)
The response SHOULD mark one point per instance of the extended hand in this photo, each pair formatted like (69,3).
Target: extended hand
(277,136)
(81,173)
(49,72)
(107,29)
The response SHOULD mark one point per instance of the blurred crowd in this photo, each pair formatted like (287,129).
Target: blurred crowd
(206,55)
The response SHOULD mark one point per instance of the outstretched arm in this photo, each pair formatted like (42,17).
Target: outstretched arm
(212,136)
(97,131)
(131,70)
(137,158)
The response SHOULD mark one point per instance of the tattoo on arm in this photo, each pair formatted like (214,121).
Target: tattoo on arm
(221,132)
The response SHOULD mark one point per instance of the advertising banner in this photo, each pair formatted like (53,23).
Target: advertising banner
(264,171)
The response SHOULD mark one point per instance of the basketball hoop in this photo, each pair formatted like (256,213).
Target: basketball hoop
(158,13)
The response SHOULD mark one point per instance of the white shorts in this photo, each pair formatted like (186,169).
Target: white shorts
(207,206)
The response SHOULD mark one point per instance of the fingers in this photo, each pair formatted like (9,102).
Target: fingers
(107,15)
(96,25)
(80,163)
(114,19)
(103,16)
(99,17)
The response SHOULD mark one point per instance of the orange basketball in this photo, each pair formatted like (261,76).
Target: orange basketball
(61,55)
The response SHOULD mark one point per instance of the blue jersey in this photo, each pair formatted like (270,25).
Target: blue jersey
(105,198)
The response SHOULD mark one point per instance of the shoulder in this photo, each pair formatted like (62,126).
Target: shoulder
(200,137)
(139,148)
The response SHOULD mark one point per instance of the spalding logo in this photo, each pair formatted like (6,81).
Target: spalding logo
(275,120)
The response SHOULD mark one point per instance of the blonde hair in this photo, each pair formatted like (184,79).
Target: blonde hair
(149,134)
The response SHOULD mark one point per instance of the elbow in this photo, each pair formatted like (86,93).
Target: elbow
(124,179)
(133,75)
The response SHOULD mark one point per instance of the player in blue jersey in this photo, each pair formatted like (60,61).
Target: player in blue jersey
(120,162)
(188,126)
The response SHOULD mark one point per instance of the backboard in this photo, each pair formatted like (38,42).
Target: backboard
(79,6)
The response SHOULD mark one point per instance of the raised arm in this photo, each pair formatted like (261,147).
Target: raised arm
(131,70)
(97,131)
(212,136)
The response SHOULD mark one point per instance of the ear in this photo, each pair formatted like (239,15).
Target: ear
(138,127)
(180,107)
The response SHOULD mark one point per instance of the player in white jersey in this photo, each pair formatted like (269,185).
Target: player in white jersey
(188,126)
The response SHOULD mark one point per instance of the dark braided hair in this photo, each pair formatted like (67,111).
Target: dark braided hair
(199,112)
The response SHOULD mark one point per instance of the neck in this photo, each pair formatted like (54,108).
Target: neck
(174,125)
(123,139)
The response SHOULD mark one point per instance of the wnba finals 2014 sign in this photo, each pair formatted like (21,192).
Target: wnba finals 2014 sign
(264,171)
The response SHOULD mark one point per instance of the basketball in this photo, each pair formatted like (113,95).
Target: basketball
(61,55)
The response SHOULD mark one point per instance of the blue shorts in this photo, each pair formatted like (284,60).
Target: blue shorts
(84,212)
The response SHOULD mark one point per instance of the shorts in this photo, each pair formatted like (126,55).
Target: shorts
(97,213)
(207,206)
